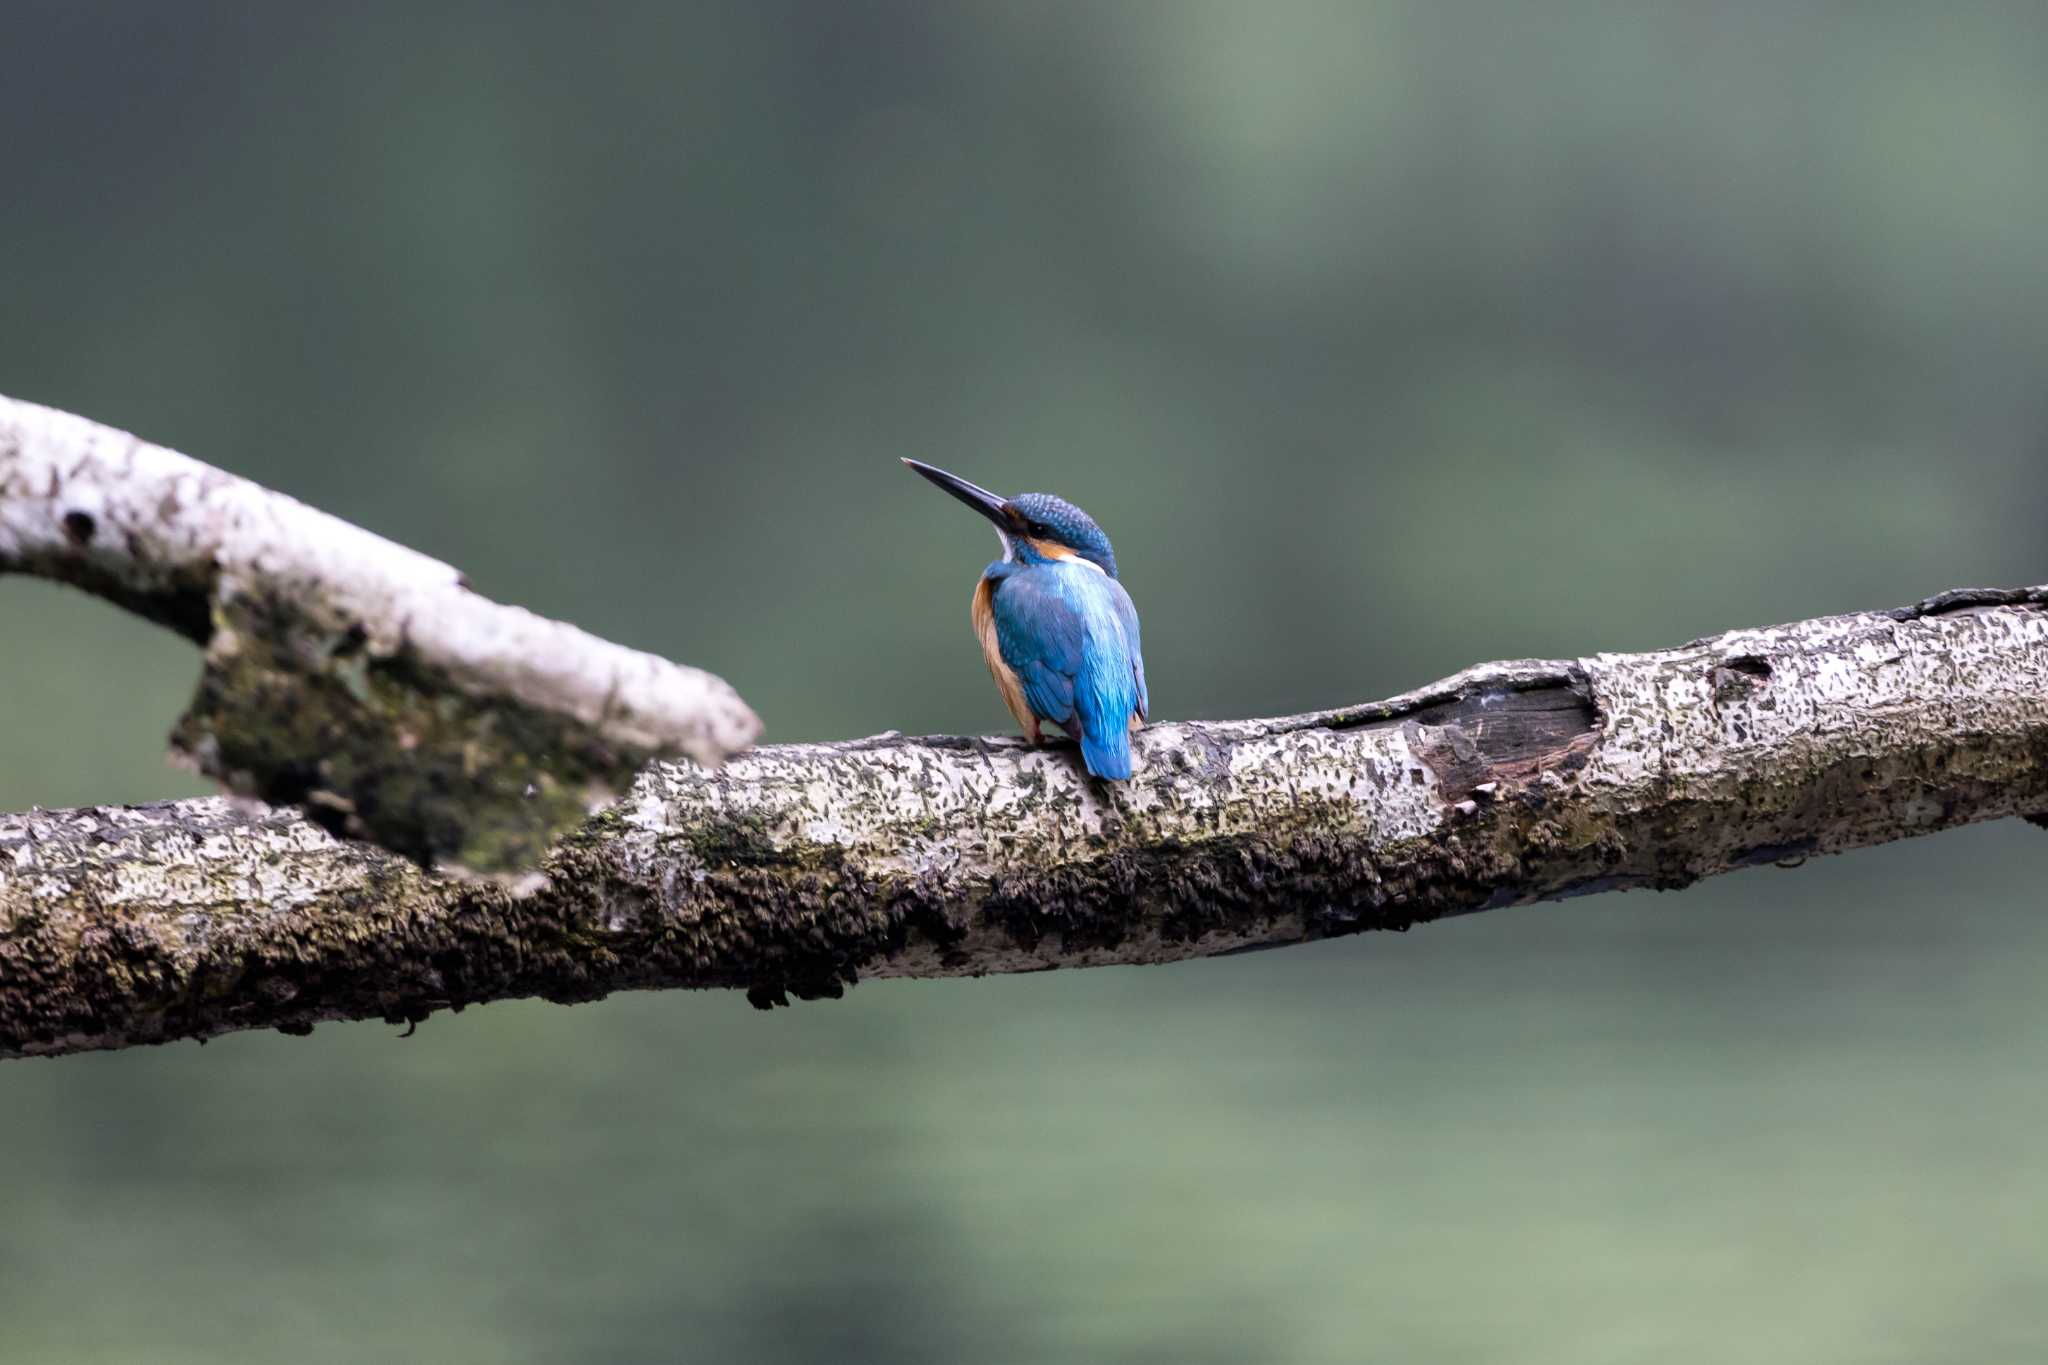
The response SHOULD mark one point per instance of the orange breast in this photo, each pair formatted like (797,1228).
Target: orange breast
(984,616)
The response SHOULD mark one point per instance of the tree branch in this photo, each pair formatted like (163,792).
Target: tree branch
(344,672)
(796,869)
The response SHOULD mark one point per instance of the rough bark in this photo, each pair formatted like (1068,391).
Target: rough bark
(795,870)
(359,678)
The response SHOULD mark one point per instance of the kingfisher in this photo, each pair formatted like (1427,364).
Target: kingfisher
(1056,627)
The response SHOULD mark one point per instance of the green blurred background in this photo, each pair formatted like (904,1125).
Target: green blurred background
(1383,338)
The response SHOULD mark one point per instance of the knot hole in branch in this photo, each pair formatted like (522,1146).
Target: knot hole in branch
(1740,677)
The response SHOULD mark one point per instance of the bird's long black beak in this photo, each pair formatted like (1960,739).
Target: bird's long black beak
(974,495)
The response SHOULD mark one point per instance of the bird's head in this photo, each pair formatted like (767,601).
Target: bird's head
(1036,528)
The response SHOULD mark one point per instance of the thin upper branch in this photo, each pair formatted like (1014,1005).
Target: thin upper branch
(796,869)
(344,672)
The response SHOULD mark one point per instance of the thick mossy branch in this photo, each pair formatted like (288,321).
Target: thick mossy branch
(796,870)
(342,672)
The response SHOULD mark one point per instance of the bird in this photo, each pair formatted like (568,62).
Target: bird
(1056,627)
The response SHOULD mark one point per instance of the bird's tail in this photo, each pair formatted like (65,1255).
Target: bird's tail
(1107,755)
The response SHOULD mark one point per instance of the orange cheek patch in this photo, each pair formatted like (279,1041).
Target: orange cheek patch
(1053,551)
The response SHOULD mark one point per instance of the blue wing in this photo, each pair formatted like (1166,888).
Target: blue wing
(1070,635)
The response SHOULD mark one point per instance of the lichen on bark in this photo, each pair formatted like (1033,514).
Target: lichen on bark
(386,747)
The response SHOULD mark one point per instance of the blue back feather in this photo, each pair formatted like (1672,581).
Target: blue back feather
(1071,636)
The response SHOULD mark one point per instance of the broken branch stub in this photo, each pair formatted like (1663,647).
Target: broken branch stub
(343,673)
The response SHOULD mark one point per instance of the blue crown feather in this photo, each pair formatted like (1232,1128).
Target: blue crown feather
(1054,518)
